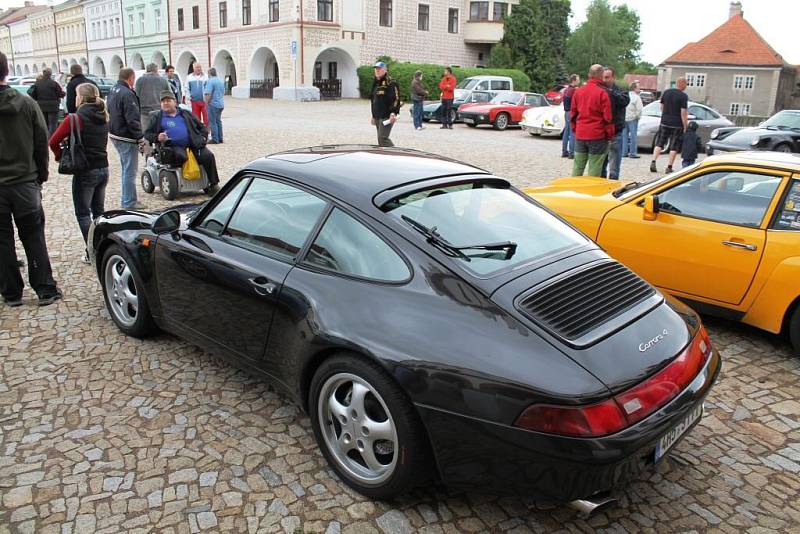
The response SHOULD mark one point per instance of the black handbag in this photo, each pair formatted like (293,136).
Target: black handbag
(73,160)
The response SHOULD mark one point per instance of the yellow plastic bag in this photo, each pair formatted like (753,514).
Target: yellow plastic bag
(190,170)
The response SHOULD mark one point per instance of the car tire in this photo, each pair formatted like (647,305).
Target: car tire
(783,147)
(794,329)
(168,182)
(394,465)
(471,125)
(501,121)
(124,295)
(147,182)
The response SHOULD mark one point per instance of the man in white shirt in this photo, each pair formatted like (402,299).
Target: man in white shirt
(632,115)
(194,88)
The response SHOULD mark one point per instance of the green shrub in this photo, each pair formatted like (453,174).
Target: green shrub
(403,73)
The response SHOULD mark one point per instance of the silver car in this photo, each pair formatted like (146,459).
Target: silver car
(706,118)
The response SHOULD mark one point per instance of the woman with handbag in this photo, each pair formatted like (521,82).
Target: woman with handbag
(79,145)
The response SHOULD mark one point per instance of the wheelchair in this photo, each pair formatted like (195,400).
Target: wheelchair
(169,178)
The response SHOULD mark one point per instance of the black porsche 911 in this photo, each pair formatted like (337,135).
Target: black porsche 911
(779,133)
(434,321)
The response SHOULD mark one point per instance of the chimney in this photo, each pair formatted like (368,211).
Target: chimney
(735,9)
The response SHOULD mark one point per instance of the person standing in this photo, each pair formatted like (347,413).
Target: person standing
(448,86)
(174,84)
(88,186)
(592,122)
(126,133)
(385,103)
(47,93)
(149,88)
(418,94)
(630,134)
(568,135)
(674,121)
(195,85)
(76,78)
(619,102)
(691,145)
(23,170)
(214,94)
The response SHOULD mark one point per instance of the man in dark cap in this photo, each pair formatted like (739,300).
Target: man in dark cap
(385,103)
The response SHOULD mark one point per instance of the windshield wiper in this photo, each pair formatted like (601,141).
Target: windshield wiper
(625,188)
(434,238)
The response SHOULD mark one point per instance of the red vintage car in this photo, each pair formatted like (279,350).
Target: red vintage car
(502,111)
(556,94)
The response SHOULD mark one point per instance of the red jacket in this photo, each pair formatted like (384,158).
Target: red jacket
(447,85)
(590,112)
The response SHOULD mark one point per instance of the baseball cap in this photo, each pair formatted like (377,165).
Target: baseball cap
(379,65)
(167,94)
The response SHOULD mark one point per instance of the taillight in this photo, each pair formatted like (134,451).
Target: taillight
(626,408)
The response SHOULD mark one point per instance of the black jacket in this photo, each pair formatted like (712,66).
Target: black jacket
(198,134)
(94,135)
(23,139)
(385,98)
(73,83)
(691,146)
(619,101)
(47,94)
(123,109)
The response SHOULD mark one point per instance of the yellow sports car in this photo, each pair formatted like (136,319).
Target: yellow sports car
(723,234)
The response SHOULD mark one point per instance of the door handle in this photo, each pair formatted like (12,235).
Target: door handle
(262,285)
(743,246)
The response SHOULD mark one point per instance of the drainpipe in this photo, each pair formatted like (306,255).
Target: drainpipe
(11,45)
(302,48)
(208,37)
(55,33)
(122,27)
(169,36)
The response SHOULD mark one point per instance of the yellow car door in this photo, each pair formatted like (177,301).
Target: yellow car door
(707,235)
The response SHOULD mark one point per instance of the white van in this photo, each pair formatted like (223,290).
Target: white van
(492,84)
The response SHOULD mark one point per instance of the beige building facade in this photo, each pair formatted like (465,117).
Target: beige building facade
(43,37)
(71,34)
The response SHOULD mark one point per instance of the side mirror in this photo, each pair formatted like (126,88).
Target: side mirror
(167,222)
(650,211)
(692,117)
(733,184)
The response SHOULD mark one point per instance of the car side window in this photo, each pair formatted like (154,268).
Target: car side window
(731,197)
(274,217)
(346,246)
(483,86)
(532,100)
(700,113)
(789,211)
(501,85)
(215,220)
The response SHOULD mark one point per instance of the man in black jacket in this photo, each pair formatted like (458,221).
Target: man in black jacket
(47,93)
(619,101)
(385,103)
(125,132)
(178,130)
(77,78)
(23,169)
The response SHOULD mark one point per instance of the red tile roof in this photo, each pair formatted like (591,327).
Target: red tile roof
(647,82)
(736,42)
(20,13)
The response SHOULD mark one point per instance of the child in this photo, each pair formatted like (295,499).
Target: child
(691,145)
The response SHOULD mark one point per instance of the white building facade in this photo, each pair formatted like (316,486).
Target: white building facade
(71,35)
(43,38)
(104,37)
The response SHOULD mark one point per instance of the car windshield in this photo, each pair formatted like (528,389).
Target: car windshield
(652,109)
(467,83)
(507,98)
(486,227)
(784,119)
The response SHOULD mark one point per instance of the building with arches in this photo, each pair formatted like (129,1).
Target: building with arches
(21,56)
(71,35)
(104,37)
(43,39)
(145,32)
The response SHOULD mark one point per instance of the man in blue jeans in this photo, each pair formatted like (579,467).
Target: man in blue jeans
(213,94)
(125,131)
(568,136)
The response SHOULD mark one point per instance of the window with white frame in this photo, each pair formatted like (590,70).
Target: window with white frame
(739,108)
(130,23)
(141,23)
(452,20)
(423,17)
(743,81)
(695,79)
(157,16)
(744,109)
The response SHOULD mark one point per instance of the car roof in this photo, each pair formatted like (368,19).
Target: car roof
(783,160)
(488,77)
(356,173)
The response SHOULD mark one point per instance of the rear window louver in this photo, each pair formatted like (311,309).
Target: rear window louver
(583,300)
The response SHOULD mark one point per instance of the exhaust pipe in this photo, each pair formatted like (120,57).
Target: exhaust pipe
(594,505)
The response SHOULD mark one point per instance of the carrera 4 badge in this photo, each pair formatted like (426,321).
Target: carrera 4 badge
(650,344)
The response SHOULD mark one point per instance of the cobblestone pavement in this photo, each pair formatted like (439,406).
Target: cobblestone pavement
(99,432)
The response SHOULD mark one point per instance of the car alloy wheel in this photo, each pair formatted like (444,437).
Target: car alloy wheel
(501,121)
(121,290)
(783,147)
(358,428)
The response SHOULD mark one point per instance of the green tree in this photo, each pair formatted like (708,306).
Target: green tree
(535,37)
(500,57)
(609,36)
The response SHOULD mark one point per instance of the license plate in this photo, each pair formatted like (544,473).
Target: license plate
(669,439)
(469,121)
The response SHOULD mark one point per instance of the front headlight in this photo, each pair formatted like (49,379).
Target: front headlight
(755,142)
(714,134)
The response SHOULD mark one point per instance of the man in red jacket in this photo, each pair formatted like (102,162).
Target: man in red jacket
(448,85)
(592,122)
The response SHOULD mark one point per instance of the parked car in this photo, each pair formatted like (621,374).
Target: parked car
(555,95)
(707,119)
(780,133)
(104,85)
(723,235)
(466,376)
(431,109)
(502,111)
(544,120)
(647,97)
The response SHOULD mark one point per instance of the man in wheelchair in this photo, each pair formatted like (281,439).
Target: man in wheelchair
(177,130)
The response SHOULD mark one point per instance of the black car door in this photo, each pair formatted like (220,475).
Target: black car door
(219,279)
